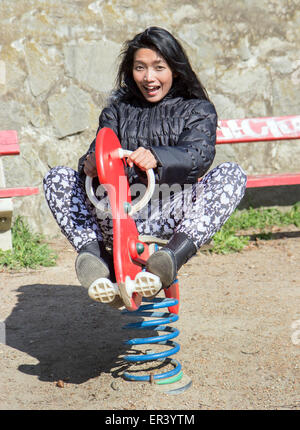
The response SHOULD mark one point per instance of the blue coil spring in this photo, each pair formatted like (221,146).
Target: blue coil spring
(158,324)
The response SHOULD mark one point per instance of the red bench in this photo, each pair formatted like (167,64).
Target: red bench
(260,130)
(9,146)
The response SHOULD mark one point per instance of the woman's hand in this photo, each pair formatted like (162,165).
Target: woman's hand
(143,158)
(89,166)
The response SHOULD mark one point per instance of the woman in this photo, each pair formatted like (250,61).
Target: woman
(162,113)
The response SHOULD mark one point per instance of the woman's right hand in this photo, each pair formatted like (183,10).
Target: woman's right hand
(89,165)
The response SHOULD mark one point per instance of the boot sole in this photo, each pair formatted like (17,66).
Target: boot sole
(162,264)
(89,267)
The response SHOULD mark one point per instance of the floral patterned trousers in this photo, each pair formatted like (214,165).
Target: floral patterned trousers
(199,209)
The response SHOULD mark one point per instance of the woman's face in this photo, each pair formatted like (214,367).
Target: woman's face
(152,74)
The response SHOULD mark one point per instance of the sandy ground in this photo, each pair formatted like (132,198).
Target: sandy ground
(239,335)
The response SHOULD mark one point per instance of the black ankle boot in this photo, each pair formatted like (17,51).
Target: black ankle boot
(166,262)
(94,262)
(90,265)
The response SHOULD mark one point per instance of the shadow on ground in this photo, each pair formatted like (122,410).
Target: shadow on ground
(273,236)
(73,338)
(285,195)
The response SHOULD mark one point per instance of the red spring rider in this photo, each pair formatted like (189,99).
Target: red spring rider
(130,254)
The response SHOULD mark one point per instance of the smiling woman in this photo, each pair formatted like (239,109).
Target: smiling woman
(152,74)
(161,112)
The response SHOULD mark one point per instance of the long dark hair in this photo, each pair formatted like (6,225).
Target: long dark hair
(185,84)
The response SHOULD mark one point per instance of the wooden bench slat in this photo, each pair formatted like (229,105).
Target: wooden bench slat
(273,180)
(18,192)
(9,142)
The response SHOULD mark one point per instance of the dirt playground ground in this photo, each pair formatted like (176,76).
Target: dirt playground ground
(239,335)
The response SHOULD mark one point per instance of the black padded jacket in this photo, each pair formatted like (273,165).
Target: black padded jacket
(181,134)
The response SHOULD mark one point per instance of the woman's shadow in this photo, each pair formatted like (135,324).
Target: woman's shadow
(73,338)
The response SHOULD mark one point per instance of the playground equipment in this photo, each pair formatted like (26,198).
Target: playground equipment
(130,253)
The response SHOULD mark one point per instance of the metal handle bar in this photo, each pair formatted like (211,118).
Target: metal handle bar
(133,207)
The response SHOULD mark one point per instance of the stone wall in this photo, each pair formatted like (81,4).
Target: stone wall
(58,62)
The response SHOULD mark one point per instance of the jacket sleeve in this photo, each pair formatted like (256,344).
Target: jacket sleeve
(108,118)
(195,149)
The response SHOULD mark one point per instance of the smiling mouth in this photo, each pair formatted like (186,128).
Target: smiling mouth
(151,90)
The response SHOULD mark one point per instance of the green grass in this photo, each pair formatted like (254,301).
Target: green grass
(29,249)
(231,238)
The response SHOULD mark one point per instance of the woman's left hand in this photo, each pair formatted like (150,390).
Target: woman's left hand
(143,158)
